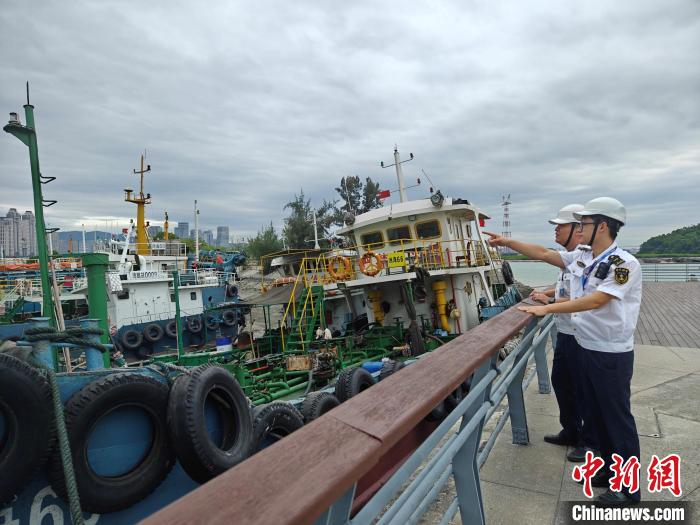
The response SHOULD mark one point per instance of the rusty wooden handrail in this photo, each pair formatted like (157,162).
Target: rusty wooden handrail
(297,479)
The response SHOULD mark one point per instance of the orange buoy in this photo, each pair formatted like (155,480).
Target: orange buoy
(371,264)
(339,267)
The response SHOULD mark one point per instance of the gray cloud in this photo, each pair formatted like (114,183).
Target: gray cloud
(241,105)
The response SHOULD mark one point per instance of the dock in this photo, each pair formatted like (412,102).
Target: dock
(529,484)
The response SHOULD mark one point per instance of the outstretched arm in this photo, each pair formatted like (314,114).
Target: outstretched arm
(588,302)
(534,251)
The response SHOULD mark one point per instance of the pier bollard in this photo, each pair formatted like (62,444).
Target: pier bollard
(43,348)
(93,356)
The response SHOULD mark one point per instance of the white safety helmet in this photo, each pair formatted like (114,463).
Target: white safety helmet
(606,206)
(566,214)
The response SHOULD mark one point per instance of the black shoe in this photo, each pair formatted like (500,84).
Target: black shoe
(601,479)
(615,499)
(577,455)
(559,439)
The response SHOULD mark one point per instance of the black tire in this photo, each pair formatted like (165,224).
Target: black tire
(145,351)
(212,322)
(153,332)
(351,382)
(390,367)
(171,329)
(437,413)
(194,324)
(131,339)
(316,404)
(229,318)
(454,399)
(231,290)
(274,421)
(102,494)
(26,408)
(200,456)
(507,272)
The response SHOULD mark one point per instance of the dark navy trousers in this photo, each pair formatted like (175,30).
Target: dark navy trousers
(567,380)
(608,414)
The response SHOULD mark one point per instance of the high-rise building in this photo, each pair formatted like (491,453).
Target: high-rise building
(182,230)
(208,236)
(18,234)
(222,236)
(154,230)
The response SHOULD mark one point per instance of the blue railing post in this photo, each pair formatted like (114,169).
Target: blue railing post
(464,466)
(516,398)
(339,512)
(541,366)
(43,348)
(93,357)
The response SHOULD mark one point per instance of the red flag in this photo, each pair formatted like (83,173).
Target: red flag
(482,222)
(384,194)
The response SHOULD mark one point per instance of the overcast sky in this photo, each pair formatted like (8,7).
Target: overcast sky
(242,104)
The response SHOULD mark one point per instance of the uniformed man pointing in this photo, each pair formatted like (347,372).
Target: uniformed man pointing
(606,291)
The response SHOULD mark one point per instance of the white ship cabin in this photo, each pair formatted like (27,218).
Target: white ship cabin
(167,254)
(139,291)
(436,243)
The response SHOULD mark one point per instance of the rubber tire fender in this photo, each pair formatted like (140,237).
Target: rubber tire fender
(145,352)
(212,322)
(194,324)
(199,455)
(351,382)
(316,404)
(231,290)
(27,408)
(507,272)
(389,368)
(131,339)
(102,494)
(229,318)
(171,329)
(277,418)
(153,332)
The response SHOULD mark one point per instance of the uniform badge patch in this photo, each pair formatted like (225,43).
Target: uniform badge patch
(622,275)
(581,264)
(616,260)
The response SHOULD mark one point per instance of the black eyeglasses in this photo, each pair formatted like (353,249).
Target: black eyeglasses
(582,224)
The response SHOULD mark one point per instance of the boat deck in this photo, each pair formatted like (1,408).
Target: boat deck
(531,484)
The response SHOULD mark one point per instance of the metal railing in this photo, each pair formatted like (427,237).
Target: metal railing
(670,272)
(351,465)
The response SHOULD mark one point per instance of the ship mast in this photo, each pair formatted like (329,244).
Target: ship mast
(165,227)
(399,172)
(141,200)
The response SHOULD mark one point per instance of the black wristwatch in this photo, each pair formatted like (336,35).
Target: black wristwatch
(552,300)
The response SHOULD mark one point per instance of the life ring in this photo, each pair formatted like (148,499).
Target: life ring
(171,329)
(280,281)
(194,324)
(339,267)
(27,411)
(229,317)
(132,339)
(316,404)
(153,332)
(351,382)
(204,388)
(108,486)
(212,322)
(371,264)
(507,272)
(272,422)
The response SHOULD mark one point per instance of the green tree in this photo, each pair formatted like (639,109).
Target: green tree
(265,242)
(682,241)
(299,225)
(356,197)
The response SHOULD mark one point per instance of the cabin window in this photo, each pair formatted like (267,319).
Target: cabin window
(428,229)
(398,235)
(372,240)
(193,296)
(172,297)
(124,294)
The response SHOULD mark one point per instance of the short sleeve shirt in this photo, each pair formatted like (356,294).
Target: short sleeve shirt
(562,290)
(609,328)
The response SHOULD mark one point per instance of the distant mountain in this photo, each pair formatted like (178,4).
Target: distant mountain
(682,241)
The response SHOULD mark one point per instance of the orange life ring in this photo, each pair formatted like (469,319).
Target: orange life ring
(339,267)
(280,281)
(371,264)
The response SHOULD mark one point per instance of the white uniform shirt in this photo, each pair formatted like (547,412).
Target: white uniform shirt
(611,327)
(562,290)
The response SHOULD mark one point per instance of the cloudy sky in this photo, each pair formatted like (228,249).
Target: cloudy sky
(242,104)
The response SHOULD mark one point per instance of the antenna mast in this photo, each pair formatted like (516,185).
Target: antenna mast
(506,202)
(399,172)
(141,200)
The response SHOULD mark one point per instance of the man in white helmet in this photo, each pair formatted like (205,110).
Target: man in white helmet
(566,365)
(606,292)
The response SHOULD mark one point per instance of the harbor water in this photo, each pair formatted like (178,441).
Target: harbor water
(536,274)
